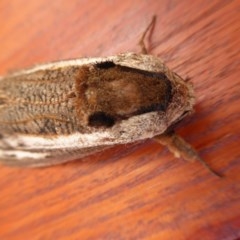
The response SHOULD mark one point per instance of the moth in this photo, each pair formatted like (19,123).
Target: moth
(61,111)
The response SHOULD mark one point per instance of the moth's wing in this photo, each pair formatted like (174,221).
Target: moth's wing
(44,157)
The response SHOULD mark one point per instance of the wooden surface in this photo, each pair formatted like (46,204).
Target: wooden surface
(136,191)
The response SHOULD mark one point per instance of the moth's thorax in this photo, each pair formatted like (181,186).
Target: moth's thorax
(110,93)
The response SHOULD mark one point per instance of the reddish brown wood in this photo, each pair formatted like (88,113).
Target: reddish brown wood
(145,193)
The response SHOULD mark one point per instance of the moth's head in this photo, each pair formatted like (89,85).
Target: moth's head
(111,93)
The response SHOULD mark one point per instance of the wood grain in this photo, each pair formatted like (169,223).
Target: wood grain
(137,191)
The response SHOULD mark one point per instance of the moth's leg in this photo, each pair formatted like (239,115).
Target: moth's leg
(187,79)
(180,148)
(149,29)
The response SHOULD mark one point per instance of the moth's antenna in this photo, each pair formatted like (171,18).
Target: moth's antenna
(180,148)
(149,29)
